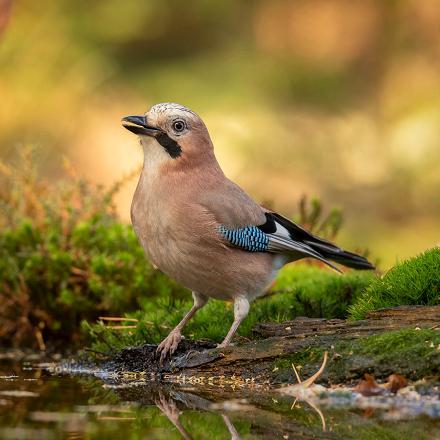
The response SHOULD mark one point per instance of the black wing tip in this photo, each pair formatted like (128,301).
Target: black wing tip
(365,266)
(353,261)
(346,258)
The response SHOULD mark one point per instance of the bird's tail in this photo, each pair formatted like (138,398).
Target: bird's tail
(338,255)
(310,245)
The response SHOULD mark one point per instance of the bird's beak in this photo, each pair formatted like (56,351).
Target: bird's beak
(139,125)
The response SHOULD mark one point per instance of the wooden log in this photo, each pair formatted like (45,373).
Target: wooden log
(253,362)
(293,336)
(379,321)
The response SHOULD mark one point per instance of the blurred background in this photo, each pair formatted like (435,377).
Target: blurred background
(338,99)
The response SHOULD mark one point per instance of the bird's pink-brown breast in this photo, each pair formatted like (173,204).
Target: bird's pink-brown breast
(177,223)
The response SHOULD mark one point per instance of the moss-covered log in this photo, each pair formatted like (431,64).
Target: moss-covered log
(403,340)
(378,321)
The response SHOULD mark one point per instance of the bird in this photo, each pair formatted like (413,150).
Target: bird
(202,229)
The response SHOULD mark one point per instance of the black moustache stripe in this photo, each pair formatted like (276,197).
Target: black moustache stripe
(170,145)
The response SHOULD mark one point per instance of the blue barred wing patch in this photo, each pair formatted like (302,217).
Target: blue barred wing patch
(249,238)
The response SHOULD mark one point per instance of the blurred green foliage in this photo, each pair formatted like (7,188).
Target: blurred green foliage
(65,257)
(312,218)
(412,282)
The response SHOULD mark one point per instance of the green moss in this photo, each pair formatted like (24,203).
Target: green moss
(413,353)
(101,274)
(65,257)
(413,282)
(392,345)
(309,355)
(322,293)
(370,428)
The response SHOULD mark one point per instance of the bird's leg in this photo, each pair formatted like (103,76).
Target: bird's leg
(231,428)
(241,309)
(169,408)
(170,343)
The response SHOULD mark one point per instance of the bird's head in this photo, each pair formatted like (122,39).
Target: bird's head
(170,131)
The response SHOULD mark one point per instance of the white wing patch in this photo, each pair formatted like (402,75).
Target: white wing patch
(280,241)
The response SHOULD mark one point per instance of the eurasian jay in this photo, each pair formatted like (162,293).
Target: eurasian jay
(202,229)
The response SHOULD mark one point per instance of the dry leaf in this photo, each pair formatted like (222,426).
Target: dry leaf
(396,382)
(368,386)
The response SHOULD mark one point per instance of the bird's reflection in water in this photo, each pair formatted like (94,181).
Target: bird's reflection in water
(264,414)
(168,406)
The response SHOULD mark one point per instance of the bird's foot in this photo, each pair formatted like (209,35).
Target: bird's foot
(224,344)
(168,407)
(169,345)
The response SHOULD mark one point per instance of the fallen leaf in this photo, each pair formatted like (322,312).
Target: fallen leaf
(368,386)
(396,382)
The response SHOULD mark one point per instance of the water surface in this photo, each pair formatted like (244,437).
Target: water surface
(38,404)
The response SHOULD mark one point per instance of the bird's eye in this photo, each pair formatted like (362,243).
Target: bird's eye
(179,126)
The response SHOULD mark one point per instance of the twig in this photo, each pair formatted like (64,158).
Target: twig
(119,419)
(296,374)
(114,318)
(40,340)
(319,413)
(312,379)
(120,327)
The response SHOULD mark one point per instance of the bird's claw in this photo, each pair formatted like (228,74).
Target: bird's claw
(168,407)
(169,345)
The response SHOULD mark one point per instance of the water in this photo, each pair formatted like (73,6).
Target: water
(37,404)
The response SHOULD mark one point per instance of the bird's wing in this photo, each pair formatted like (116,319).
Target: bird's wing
(244,224)
(271,236)
(231,206)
